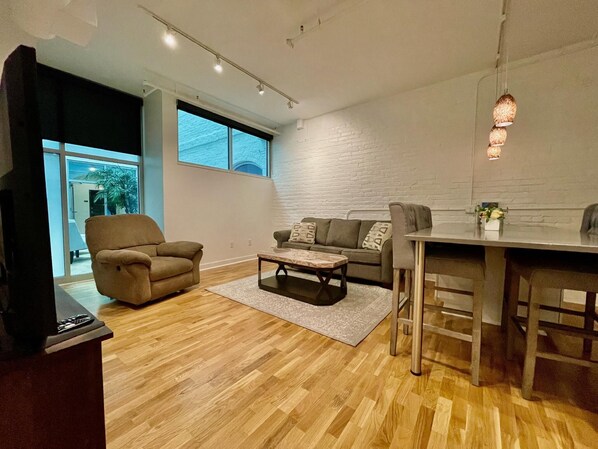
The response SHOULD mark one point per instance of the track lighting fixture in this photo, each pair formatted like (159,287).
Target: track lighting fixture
(170,40)
(218,64)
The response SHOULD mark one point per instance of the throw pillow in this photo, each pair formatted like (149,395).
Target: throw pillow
(379,234)
(303,233)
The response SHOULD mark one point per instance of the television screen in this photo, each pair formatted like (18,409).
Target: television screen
(27,301)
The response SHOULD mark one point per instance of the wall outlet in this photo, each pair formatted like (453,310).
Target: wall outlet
(232,245)
(249,242)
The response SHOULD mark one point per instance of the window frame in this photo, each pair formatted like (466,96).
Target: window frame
(63,153)
(231,125)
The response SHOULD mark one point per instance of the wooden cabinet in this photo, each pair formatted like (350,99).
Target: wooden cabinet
(55,398)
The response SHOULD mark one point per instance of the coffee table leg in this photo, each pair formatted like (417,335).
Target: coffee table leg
(259,270)
(324,281)
(344,279)
(282,268)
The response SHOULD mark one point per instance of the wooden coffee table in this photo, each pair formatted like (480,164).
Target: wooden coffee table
(322,264)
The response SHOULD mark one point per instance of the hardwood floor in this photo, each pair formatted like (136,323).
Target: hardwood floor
(199,370)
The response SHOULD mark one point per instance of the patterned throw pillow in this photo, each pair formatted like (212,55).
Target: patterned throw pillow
(379,234)
(303,233)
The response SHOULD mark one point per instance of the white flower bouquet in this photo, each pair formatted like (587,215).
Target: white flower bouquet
(492,217)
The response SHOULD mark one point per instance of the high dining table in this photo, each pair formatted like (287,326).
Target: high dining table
(511,236)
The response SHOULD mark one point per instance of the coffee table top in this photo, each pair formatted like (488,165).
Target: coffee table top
(304,258)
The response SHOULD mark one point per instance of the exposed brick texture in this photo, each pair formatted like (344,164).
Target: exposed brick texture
(417,146)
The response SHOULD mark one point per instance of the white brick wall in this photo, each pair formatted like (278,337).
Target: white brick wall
(417,146)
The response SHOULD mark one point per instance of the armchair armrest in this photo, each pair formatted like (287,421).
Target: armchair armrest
(281,237)
(123,257)
(186,250)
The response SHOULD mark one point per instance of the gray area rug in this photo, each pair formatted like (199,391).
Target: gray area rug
(349,320)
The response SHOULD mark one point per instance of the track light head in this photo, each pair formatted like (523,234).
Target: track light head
(290,104)
(169,38)
(218,64)
(260,89)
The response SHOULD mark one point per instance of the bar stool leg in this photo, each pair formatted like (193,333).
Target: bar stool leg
(589,319)
(394,320)
(476,334)
(531,338)
(504,319)
(408,292)
(513,299)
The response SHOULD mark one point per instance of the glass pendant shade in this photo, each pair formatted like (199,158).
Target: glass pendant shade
(493,153)
(498,136)
(505,110)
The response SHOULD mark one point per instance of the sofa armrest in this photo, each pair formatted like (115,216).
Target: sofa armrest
(123,257)
(185,250)
(386,262)
(281,237)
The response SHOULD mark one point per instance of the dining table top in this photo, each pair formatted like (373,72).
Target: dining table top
(510,236)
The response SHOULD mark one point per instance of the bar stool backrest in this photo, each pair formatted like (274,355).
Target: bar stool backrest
(407,218)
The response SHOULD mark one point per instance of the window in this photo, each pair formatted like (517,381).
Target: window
(250,154)
(94,182)
(210,140)
(202,142)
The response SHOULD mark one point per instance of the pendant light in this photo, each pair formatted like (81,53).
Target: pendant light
(493,153)
(505,107)
(505,110)
(498,136)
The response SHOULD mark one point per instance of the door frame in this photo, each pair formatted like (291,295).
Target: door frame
(63,154)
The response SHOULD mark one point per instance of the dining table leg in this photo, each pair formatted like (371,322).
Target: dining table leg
(418,308)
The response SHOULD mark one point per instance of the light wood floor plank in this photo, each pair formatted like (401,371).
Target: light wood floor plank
(198,370)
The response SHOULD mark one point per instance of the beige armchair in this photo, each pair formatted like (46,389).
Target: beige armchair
(131,261)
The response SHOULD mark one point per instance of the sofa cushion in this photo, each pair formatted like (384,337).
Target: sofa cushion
(366,256)
(165,267)
(343,233)
(379,234)
(327,249)
(322,227)
(296,245)
(365,227)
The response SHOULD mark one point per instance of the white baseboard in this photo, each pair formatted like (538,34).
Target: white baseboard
(225,262)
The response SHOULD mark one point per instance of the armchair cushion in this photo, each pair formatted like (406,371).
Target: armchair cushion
(179,249)
(166,267)
(123,257)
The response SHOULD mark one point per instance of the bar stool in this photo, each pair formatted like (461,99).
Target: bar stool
(559,270)
(451,260)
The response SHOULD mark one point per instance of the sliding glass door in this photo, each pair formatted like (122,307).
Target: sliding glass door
(84,182)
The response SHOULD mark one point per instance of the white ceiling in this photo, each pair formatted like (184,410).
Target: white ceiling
(364,49)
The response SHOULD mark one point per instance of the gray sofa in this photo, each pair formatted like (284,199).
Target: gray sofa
(338,236)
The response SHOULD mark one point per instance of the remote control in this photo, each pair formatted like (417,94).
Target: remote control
(73,322)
